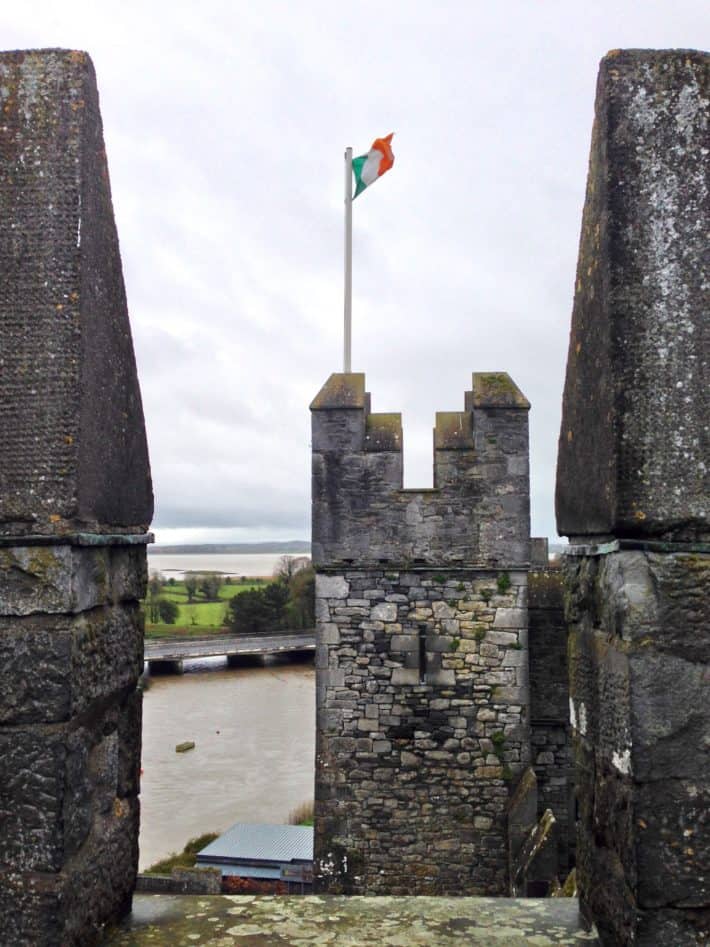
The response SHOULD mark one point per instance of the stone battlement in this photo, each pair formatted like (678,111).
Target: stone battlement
(478,511)
(421,643)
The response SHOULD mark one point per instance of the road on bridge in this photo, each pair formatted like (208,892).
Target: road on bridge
(181,649)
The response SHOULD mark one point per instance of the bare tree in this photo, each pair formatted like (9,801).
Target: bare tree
(287,567)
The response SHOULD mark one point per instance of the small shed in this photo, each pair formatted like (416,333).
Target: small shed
(276,853)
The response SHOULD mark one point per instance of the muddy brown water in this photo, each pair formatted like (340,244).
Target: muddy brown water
(254,733)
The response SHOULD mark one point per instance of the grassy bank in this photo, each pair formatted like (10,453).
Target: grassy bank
(184,859)
(199,617)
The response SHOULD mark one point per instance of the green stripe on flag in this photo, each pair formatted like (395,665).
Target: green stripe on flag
(358,164)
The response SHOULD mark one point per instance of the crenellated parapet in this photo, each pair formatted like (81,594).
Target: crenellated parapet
(476,514)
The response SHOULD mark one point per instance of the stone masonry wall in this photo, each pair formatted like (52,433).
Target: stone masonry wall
(632,490)
(71,651)
(422,700)
(75,503)
(639,640)
(421,663)
(549,706)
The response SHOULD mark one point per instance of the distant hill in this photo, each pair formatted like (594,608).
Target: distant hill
(292,546)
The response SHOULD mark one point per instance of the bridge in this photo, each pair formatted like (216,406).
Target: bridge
(168,654)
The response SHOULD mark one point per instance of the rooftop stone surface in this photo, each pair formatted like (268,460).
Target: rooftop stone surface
(265,921)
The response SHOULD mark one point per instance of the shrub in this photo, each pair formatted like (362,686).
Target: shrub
(503,582)
(168,611)
(301,815)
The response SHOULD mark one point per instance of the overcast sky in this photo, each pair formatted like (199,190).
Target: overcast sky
(225,125)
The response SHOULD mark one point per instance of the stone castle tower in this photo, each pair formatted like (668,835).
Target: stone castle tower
(422,654)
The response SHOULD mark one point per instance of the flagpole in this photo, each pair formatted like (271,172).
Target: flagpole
(348,257)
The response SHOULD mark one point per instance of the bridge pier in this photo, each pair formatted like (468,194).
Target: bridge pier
(166,666)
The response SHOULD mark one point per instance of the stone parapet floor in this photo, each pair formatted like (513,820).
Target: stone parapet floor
(264,921)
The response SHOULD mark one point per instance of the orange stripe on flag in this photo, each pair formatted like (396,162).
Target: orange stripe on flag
(383,145)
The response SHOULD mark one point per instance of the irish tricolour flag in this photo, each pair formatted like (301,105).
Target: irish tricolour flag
(368,168)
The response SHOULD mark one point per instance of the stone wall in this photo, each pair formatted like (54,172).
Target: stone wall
(632,488)
(75,502)
(549,707)
(639,642)
(478,513)
(421,663)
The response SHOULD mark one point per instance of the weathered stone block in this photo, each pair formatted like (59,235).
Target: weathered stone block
(404,643)
(653,599)
(385,611)
(670,718)
(31,908)
(32,781)
(52,668)
(107,868)
(329,634)
(69,579)
(405,676)
(56,785)
(441,677)
(77,460)
(673,844)
(634,437)
(332,586)
(539,552)
(130,721)
(511,618)
(600,697)
(672,926)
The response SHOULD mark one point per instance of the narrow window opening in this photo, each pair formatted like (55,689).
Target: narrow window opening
(422,654)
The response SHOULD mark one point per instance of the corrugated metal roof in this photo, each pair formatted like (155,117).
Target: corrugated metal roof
(258,842)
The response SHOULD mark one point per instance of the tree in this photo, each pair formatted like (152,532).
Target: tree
(155,584)
(258,611)
(209,585)
(301,605)
(191,586)
(153,609)
(288,566)
(168,611)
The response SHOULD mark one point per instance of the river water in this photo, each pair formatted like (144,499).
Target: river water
(249,564)
(254,730)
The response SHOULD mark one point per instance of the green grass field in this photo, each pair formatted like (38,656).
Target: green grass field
(196,618)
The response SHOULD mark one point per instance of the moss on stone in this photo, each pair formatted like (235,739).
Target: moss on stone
(341,391)
(497,390)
